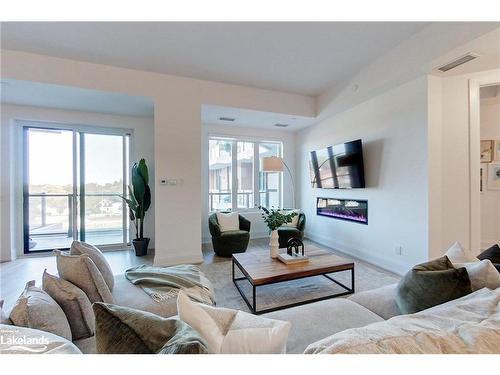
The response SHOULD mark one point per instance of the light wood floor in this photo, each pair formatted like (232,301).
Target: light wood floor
(15,274)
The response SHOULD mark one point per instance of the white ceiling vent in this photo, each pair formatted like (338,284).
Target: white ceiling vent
(281,125)
(457,62)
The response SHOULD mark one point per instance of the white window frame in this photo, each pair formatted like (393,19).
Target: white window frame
(234,174)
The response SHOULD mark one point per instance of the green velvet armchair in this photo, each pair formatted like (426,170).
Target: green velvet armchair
(229,242)
(286,233)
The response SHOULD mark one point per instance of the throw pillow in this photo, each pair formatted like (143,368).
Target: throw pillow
(482,274)
(295,219)
(81,271)
(228,331)
(123,330)
(36,309)
(430,284)
(457,254)
(493,254)
(74,302)
(229,221)
(78,248)
(3,317)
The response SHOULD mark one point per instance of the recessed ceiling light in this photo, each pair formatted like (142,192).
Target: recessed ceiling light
(226,119)
(281,125)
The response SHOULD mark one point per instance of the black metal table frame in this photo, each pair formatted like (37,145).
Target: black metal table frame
(253,306)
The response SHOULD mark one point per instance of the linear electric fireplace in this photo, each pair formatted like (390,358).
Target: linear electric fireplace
(344,209)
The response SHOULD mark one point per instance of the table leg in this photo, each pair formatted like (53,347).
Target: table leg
(254,301)
(352,278)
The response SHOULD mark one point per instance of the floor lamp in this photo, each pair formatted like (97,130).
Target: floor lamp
(275,164)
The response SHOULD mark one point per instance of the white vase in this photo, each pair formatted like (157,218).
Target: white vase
(274,244)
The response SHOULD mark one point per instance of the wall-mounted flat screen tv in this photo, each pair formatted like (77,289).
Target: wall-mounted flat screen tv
(338,167)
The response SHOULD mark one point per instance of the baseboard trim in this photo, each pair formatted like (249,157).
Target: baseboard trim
(389,265)
(167,261)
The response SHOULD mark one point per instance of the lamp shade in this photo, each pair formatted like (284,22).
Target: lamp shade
(272,164)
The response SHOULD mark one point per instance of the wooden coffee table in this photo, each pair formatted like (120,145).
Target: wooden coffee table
(259,269)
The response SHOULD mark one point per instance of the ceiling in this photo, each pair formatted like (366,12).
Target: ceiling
(74,98)
(211,114)
(303,57)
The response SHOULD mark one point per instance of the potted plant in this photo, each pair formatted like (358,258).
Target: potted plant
(274,219)
(138,203)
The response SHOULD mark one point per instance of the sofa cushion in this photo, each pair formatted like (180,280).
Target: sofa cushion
(86,345)
(482,274)
(310,323)
(228,331)
(284,229)
(228,221)
(34,341)
(463,326)
(381,301)
(122,330)
(3,317)
(236,234)
(430,284)
(74,302)
(79,248)
(493,254)
(81,271)
(457,254)
(36,309)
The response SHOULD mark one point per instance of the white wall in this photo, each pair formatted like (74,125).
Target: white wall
(258,228)
(142,145)
(490,199)
(177,133)
(393,127)
(458,180)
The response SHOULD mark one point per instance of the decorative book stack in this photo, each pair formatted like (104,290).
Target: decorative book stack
(292,259)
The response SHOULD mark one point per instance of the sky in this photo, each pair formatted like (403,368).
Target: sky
(51,157)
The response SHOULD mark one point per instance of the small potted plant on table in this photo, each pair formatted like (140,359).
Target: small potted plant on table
(138,202)
(274,219)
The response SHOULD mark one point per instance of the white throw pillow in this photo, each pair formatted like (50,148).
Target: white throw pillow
(482,274)
(295,219)
(229,221)
(36,309)
(228,331)
(79,248)
(457,254)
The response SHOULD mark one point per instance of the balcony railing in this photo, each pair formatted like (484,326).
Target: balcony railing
(43,227)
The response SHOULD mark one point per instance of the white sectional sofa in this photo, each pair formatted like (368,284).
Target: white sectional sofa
(468,325)
(315,321)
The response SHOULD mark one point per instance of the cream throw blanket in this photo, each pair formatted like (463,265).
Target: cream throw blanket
(164,283)
(470,324)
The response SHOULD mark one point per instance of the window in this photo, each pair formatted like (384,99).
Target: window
(251,185)
(82,201)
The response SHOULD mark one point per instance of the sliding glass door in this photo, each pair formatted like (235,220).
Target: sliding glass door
(73,180)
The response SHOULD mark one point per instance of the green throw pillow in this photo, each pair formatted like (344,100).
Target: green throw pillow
(122,330)
(430,284)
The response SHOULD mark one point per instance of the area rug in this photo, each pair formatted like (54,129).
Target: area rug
(219,273)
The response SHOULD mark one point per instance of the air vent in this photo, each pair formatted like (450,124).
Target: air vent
(226,119)
(281,125)
(458,62)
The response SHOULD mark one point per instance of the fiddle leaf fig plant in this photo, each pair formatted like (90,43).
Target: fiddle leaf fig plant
(139,198)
